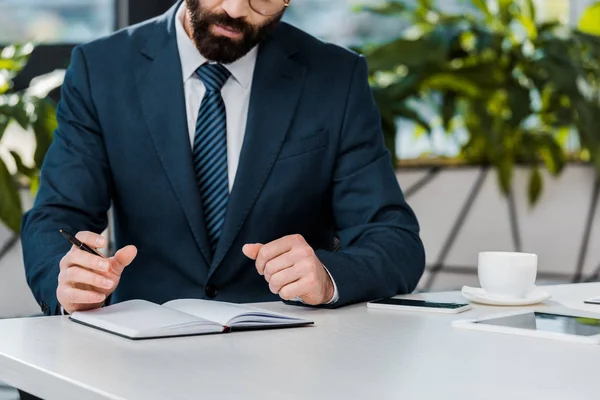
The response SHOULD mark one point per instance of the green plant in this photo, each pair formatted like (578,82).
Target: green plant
(34,111)
(517,88)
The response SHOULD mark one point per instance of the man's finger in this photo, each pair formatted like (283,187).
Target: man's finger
(284,277)
(251,250)
(87,260)
(78,275)
(295,289)
(123,258)
(73,295)
(286,260)
(91,239)
(274,249)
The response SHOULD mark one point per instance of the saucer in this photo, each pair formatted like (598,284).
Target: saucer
(478,295)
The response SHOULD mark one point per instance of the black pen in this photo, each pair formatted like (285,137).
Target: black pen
(79,244)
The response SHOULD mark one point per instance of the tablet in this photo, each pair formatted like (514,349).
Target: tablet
(567,327)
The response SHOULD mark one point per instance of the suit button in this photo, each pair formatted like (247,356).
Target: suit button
(211,291)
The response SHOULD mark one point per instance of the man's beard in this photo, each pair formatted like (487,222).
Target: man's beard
(223,49)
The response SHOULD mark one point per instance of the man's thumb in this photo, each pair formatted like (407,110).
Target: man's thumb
(124,257)
(251,250)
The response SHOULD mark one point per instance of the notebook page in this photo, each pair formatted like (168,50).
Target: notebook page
(211,310)
(225,313)
(135,318)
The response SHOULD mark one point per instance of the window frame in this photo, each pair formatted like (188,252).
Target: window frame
(48,57)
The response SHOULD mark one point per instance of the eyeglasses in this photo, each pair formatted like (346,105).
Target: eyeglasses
(269,8)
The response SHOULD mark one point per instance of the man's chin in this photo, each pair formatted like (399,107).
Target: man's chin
(222,50)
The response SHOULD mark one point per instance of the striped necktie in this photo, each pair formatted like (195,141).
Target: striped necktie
(210,150)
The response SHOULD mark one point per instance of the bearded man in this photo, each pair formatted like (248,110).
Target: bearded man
(243,161)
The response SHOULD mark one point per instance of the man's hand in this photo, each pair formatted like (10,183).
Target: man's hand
(292,269)
(85,279)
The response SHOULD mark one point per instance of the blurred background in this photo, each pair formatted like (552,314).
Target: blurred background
(490,108)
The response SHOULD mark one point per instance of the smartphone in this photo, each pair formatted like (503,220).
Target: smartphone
(419,305)
(594,300)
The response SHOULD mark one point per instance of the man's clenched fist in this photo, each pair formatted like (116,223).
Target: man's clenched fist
(292,269)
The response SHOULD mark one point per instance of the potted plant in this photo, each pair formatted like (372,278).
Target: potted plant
(518,88)
(22,112)
(34,111)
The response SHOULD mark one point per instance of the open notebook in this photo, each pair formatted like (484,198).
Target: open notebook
(141,319)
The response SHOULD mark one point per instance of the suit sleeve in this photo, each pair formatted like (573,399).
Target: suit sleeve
(381,253)
(75,186)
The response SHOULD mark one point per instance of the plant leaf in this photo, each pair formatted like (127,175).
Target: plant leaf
(505,167)
(17,111)
(588,23)
(425,6)
(390,8)
(596,159)
(8,64)
(34,185)
(482,5)
(529,26)
(535,186)
(519,104)
(448,109)
(401,110)
(10,201)
(44,126)
(5,83)
(41,86)
(429,49)
(530,9)
(13,59)
(552,154)
(22,168)
(485,76)
(399,91)
(428,4)
(547,26)
(504,11)
(445,82)
(4,121)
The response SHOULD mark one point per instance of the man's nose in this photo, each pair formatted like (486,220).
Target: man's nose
(236,8)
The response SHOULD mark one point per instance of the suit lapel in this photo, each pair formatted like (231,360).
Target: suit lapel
(160,85)
(277,83)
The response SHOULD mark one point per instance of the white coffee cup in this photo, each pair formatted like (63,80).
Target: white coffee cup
(507,274)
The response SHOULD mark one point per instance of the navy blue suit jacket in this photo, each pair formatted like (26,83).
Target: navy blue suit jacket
(313,163)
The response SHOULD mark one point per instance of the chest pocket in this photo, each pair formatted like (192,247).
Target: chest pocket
(305,144)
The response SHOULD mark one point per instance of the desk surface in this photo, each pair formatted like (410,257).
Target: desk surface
(350,353)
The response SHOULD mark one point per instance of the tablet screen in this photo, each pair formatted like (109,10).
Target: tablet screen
(546,322)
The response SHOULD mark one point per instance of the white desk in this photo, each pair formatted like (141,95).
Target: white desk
(351,353)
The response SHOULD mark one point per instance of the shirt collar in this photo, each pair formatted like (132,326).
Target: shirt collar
(191,59)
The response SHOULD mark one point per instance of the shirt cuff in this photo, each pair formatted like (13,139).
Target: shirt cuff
(336,295)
